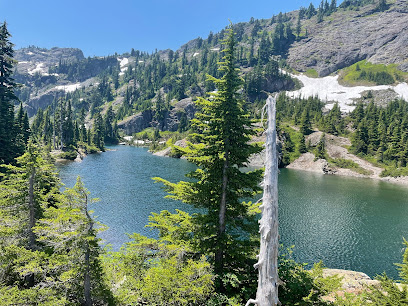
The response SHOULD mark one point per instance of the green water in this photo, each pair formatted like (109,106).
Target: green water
(347,223)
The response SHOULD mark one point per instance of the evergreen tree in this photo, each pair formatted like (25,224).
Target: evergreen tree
(8,149)
(302,145)
(109,130)
(311,11)
(360,137)
(321,148)
(382,5)
(305,125)
(223,132)
(69,231)
(24,194)
(298,26)
(333,6)
(67,126)
(98,133)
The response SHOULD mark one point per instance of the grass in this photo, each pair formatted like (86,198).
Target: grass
(348,164)
(351,75)
(394,172)
(312,73)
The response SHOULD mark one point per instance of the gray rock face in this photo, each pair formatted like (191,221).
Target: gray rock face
(42,101)
(137,122)
(348,36)
(45,97)
(48,56)
(171,121)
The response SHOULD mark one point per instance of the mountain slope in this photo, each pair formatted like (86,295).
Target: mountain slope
(348,36)
(141,85)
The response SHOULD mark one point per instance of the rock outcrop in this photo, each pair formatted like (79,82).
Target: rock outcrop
(172,119)
(348,36)
(52,55)
(351,282)
(138,122)
(33,59)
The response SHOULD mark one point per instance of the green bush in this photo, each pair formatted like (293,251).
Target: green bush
(71,155)
(394,172)
(349,164)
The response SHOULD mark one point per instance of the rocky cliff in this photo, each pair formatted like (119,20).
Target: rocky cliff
(140,121)
(348,36)
(33,59)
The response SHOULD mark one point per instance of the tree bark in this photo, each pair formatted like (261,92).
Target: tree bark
(267,265)
(219,254)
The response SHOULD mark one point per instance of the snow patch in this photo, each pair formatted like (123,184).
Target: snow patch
(329,90)
(40,68)
(123,62)
(195,54)
(30,53)
(69,88)
(402,90)
(141,61)
(215,49)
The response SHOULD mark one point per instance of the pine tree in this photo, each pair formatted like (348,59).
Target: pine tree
(298,26)
(8,149)
(24,194)
(321,148)
(302,145)
(69,231)
(98,132)
(222,132)
(382,5)
(305,123)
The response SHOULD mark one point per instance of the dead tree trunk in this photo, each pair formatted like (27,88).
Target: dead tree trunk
(267,265)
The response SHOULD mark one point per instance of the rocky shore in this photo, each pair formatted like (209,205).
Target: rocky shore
(336,148)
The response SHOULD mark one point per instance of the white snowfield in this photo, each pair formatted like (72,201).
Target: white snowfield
(40,68)
(123,65)
(329,90)
(123,62)
(69,88)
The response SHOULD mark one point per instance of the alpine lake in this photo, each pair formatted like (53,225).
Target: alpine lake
(348,223)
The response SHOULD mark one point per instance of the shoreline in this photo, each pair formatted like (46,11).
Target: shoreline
(336,148)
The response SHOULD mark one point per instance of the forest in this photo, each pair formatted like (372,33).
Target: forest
(50,253)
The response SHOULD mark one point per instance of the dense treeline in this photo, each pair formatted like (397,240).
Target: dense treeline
(382,132)
(56,128)
(85,69)
(379,133)
(49,252)
(14,128)
(379,78)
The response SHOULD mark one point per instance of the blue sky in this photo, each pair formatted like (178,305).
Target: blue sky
(105,27)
